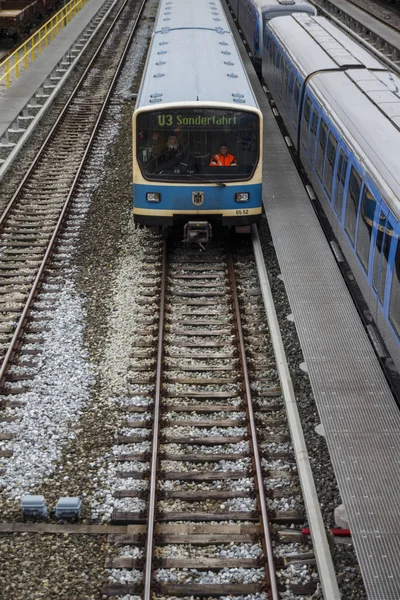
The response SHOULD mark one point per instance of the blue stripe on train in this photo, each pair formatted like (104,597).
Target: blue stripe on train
(180,197)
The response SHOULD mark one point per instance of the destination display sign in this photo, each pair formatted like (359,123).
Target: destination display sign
(175,119)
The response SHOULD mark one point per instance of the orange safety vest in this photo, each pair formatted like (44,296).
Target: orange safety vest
(219,160)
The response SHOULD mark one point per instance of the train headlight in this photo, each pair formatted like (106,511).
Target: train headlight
(153,197)
(242,197)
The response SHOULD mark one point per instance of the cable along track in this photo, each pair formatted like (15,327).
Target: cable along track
(30,224)
(222,487)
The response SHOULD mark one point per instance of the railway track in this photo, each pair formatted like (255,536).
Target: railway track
(363,31)
(208,442)
(222,483)
(33,219)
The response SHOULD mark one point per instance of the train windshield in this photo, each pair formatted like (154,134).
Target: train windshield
(197,144)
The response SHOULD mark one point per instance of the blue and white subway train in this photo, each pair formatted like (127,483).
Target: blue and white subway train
(253,16)
(197,127)
(341,107)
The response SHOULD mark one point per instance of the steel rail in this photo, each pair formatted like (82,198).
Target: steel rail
(259,479)
(359,39)
(38,278)
(151,513)
(318,531)
(74,93)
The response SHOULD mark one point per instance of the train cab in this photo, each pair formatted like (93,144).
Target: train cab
(197,127)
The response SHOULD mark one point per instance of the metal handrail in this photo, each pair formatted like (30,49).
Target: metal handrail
(34,45)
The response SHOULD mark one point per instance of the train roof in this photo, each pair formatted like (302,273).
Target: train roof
(193,58)
(284,6)
(205,14)
(363,99)
(378,141)
(315,43)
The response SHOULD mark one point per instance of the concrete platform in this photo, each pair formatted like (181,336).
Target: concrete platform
(14,99)
(359,414)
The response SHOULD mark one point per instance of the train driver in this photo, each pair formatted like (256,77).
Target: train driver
(171,156)
(223,158)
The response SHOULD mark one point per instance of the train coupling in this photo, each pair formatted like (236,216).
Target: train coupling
(198,233)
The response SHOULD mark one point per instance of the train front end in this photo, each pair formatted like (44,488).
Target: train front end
(194,161)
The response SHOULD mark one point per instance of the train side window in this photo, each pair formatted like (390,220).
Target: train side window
(323,134)
(340,181)
(365,221)
(272,51)
(285,81)
(313,134)
(330,163)
(381,256)
(282,85)
(267,42)
(353,198)
(394,301)
(278,63)
(305,122)
(273,59)
(289,96)
(295,104)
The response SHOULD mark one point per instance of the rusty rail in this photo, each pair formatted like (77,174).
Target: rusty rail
(148,581)
(14,344)
(261,500)
(151,515)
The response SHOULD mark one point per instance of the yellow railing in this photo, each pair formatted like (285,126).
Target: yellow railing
(27,52)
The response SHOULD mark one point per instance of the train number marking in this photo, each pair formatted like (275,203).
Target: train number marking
(242,211)
(165,120)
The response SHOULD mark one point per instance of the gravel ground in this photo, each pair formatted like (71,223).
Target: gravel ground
(50,567)
(105,203)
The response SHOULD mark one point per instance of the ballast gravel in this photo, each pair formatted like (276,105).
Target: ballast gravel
(213,551)
(234,575)
(58,395)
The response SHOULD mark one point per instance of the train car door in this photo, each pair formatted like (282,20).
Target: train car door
(392,287)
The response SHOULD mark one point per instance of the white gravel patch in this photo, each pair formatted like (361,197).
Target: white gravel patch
(137,448)
(229,505)
(239,448)
(115,372)
(226,484)
(130,504)
(131,552)
(213,551)
(242,464)
(133,401)
(139,431)
(198,432)
(235,575)
(125,575)
(297,573)
(58,395)
(128,465)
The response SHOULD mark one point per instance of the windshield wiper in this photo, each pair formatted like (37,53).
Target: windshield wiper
(197,178)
